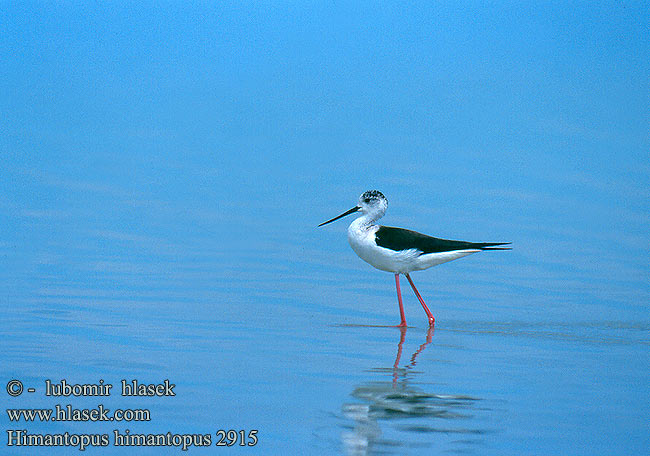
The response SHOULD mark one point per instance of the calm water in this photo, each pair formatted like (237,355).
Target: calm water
(163,168)
(287,336)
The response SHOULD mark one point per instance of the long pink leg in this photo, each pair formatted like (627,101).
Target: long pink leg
(424,306)
(399,299)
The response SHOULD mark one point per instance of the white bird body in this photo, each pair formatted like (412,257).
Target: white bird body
(361,237)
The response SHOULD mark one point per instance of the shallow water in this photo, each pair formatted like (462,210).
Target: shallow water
(163,170)
(301,351)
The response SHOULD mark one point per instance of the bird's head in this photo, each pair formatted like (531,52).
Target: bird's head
(372,203)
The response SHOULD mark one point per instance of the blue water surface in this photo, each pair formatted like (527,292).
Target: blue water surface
(163,169)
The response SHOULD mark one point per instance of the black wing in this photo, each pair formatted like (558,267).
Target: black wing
(401,239)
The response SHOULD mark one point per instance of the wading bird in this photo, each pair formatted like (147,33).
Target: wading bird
(401,251)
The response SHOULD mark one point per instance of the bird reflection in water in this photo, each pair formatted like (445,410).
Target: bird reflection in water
(397,399)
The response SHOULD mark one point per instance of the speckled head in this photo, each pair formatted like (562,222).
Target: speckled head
(373,202)
(371,196)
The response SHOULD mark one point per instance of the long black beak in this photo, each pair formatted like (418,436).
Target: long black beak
(351,211)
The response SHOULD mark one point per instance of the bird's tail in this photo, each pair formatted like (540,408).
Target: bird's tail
(491,245)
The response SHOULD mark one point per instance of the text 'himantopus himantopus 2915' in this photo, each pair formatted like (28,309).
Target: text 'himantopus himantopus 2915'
(401,251)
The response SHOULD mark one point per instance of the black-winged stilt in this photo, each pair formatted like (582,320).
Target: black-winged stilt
(401,251)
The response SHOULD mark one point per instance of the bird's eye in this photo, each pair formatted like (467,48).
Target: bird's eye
(366,200)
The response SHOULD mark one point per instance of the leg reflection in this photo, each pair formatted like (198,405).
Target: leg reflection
(399,404)
(400,344)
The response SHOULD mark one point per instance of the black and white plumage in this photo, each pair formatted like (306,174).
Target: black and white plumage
(399,250)
(401,239)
